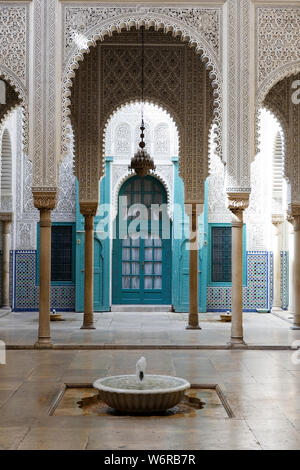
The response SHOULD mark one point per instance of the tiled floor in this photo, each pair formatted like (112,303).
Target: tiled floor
(262,388)
(147,329)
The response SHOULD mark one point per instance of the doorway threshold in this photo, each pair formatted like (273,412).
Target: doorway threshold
(141,308)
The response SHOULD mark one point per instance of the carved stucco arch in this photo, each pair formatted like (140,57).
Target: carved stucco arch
(15,83)
(278,101)
(126,21)
(108,79)
(276,76)
(282,72)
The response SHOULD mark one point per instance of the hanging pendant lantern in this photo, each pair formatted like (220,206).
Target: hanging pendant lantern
(142,163)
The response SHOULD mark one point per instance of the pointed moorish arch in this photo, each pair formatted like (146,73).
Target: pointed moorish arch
(177,80)
(278,100)
(122,20)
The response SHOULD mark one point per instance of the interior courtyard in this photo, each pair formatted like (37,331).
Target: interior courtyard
(150,211)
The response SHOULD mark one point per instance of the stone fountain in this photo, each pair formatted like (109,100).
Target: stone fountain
(141,393)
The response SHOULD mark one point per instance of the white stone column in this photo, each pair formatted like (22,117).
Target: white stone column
(277,222)
(291,306)
(237,203)
(6,245)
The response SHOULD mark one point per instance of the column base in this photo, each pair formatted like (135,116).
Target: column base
(238,343)
(7,309)
(276,309)
(193,327)
(88,326)
(43,343)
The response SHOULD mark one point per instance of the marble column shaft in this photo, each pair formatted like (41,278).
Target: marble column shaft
(88,317)
(45,277)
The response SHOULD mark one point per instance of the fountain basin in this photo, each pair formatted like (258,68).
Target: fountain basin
(154,393)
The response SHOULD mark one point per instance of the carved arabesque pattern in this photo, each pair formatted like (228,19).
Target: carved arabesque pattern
(277,50)
(161,139)
(278,44)
(122,139)
(84,26)
(238,136)
(45,136)
(14,68)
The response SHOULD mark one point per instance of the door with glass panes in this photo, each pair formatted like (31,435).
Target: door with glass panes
(142,258)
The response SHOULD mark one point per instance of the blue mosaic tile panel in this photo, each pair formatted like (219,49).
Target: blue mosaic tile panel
(284,287)
(26,292)
(256,294)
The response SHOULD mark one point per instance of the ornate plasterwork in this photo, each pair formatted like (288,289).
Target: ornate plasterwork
(277,46)
(175,79)
(14,53)
(13,45)
(237,202)
(65,210)
(45,129)
(80,21)
(84,26)
(238,89)
(217,209)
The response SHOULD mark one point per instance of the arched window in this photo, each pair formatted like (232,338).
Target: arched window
(122,139)
(277,176)
(6,165)
(162,139)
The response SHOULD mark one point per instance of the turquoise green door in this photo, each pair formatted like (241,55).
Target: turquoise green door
(142,264)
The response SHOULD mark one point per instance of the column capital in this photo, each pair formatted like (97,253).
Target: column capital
(6,216)
(238,202)
(288,217)
(294,209)
(277,219)
(88,208)
(44,199)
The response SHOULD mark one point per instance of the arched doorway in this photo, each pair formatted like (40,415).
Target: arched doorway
(142,260)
